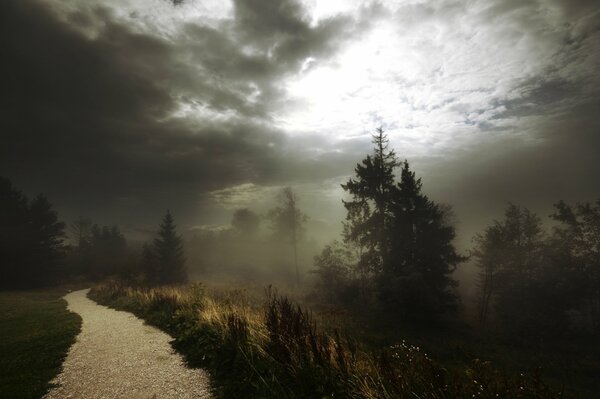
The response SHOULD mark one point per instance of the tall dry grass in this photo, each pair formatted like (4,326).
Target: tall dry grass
(276,350)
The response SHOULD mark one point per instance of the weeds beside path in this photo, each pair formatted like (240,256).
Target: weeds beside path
(277,351)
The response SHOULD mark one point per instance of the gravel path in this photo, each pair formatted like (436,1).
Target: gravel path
(117,356)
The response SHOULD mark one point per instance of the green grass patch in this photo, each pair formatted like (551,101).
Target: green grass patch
(36,331)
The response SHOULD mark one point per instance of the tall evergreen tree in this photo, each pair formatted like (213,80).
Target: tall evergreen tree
(417,277)
(167,248)
(404,238)
(368,213)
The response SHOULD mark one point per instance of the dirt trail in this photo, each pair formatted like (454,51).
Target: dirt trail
(117,356)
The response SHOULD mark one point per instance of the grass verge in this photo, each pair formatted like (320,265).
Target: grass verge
(36,331)
(275,350)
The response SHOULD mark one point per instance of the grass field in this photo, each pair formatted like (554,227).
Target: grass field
(36,331)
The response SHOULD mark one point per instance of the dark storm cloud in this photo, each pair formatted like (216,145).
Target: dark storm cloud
(92,120)
(248,57)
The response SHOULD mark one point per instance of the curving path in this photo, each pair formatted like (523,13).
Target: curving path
(117,356)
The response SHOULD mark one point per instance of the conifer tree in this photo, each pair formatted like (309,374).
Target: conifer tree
(368,213)
(417,275)
(31,239)
(167,248)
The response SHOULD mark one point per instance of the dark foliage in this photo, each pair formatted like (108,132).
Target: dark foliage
(31,240)
(404,240)
(164,261)
(534,285)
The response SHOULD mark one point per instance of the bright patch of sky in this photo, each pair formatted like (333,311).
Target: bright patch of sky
(433,73)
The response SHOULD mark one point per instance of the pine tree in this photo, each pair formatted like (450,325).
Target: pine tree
(368,213)
(167,248)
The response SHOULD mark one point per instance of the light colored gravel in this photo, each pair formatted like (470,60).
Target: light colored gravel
(117,356)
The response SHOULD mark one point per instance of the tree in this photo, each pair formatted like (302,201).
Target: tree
(167,251)
(46,240)
(14,212)
(288,222)
(404,238)
(333,267)
(488,256)
(521,278)
(81,232)
(578,237)
(149,266)
(416,276)
(245,222)
(31,239)
(107,252)
(368,213)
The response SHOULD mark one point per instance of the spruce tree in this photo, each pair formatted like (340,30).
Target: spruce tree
(369,213)
(416,278)
(404,238)
(167,247)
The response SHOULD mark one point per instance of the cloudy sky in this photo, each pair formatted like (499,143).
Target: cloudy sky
(119,109)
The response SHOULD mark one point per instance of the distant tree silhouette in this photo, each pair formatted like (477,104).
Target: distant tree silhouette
(108,251)
(333,267)
(149,264)
(488,257)
(165,261)
(577,238)
(245,222)
(526,283)
(288,222)
(31,239)
(81,232)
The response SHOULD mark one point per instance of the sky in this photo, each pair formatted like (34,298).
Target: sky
(120,109)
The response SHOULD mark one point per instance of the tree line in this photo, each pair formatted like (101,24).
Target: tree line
(397,254)
(35,252)
(535,281)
